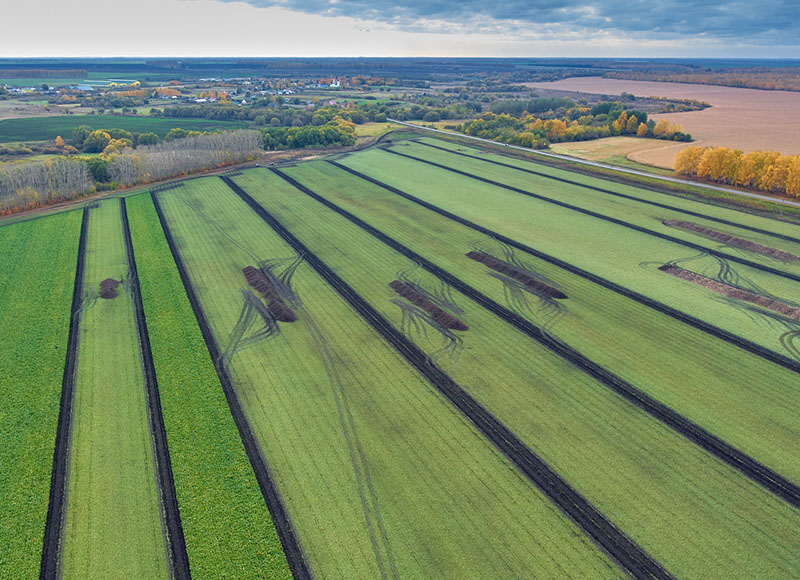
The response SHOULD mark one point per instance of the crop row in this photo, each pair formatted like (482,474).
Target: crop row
(631,218)
(341,419)
(602,446)
(625,257)
(38,264)
(714,445)
(655,347)
(694,207)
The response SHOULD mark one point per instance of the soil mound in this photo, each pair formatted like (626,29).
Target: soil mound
(275,303)
(441,317)
(732,240)
(536,286)
(732,292)
(108,288)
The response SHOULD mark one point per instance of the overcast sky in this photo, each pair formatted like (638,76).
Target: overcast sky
(597,28)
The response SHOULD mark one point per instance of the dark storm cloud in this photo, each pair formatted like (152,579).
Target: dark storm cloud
(773,21)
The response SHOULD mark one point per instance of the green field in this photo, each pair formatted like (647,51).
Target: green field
(763,422)
(112,521)
(34,323)
(228,529)
(47,128)
(541,398)
(342,419)
(619,254)
(346,394)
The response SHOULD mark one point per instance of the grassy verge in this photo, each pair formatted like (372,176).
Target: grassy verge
(37,271)
(342,419)
(228,530)
(113,520)
(686,508)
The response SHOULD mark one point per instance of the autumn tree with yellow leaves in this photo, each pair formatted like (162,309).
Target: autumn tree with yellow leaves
(767,171)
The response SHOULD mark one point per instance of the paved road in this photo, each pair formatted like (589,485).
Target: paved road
(604,166)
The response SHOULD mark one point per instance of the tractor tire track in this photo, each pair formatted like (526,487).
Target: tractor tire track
(616,193)
(759,473)
(179,559)
(280,516)
(738,341)
(629,555)
(58,482)
(619,222)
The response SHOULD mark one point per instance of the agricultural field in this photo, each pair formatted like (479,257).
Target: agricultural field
(746,119)
(416,360)
(47,128)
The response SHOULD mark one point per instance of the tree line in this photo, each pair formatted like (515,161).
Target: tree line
(29,185)
(763,170)
(573,124)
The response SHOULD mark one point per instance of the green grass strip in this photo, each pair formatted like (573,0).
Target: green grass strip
(228,529)
(37,271)
(112,524)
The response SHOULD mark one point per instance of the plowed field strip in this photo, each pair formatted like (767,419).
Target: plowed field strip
(619,546)
(58,481)
(737,459)
(614,193)
(729,337)
(179,559)
(616,221)
(280,517)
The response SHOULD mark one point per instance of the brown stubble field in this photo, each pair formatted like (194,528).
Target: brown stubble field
(746,119)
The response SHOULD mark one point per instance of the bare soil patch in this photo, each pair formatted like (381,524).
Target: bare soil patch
(108,288)
(732,240)
(732,292)
(746,119)
(275,303)
(536,286)
(441,317)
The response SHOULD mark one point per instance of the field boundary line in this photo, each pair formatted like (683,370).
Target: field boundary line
(759,473)
(619,222)
(280,516)
(616,193)
(627,553)
(54,523)
(179,558)
(751,347)
(602,165)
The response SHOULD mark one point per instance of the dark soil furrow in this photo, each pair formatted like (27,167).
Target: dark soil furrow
(618,194)
(179,559)
(277,307)
(737,459)
(729,337)
(58,481)
(731,291)
(529,281)
(438,314)
(612,220)
(629,555)
(732,240)
(280,516)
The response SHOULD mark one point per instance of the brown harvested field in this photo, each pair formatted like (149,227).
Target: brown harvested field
(615,150)
(15,109)
(732,240)
(731,292)
(746,119)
